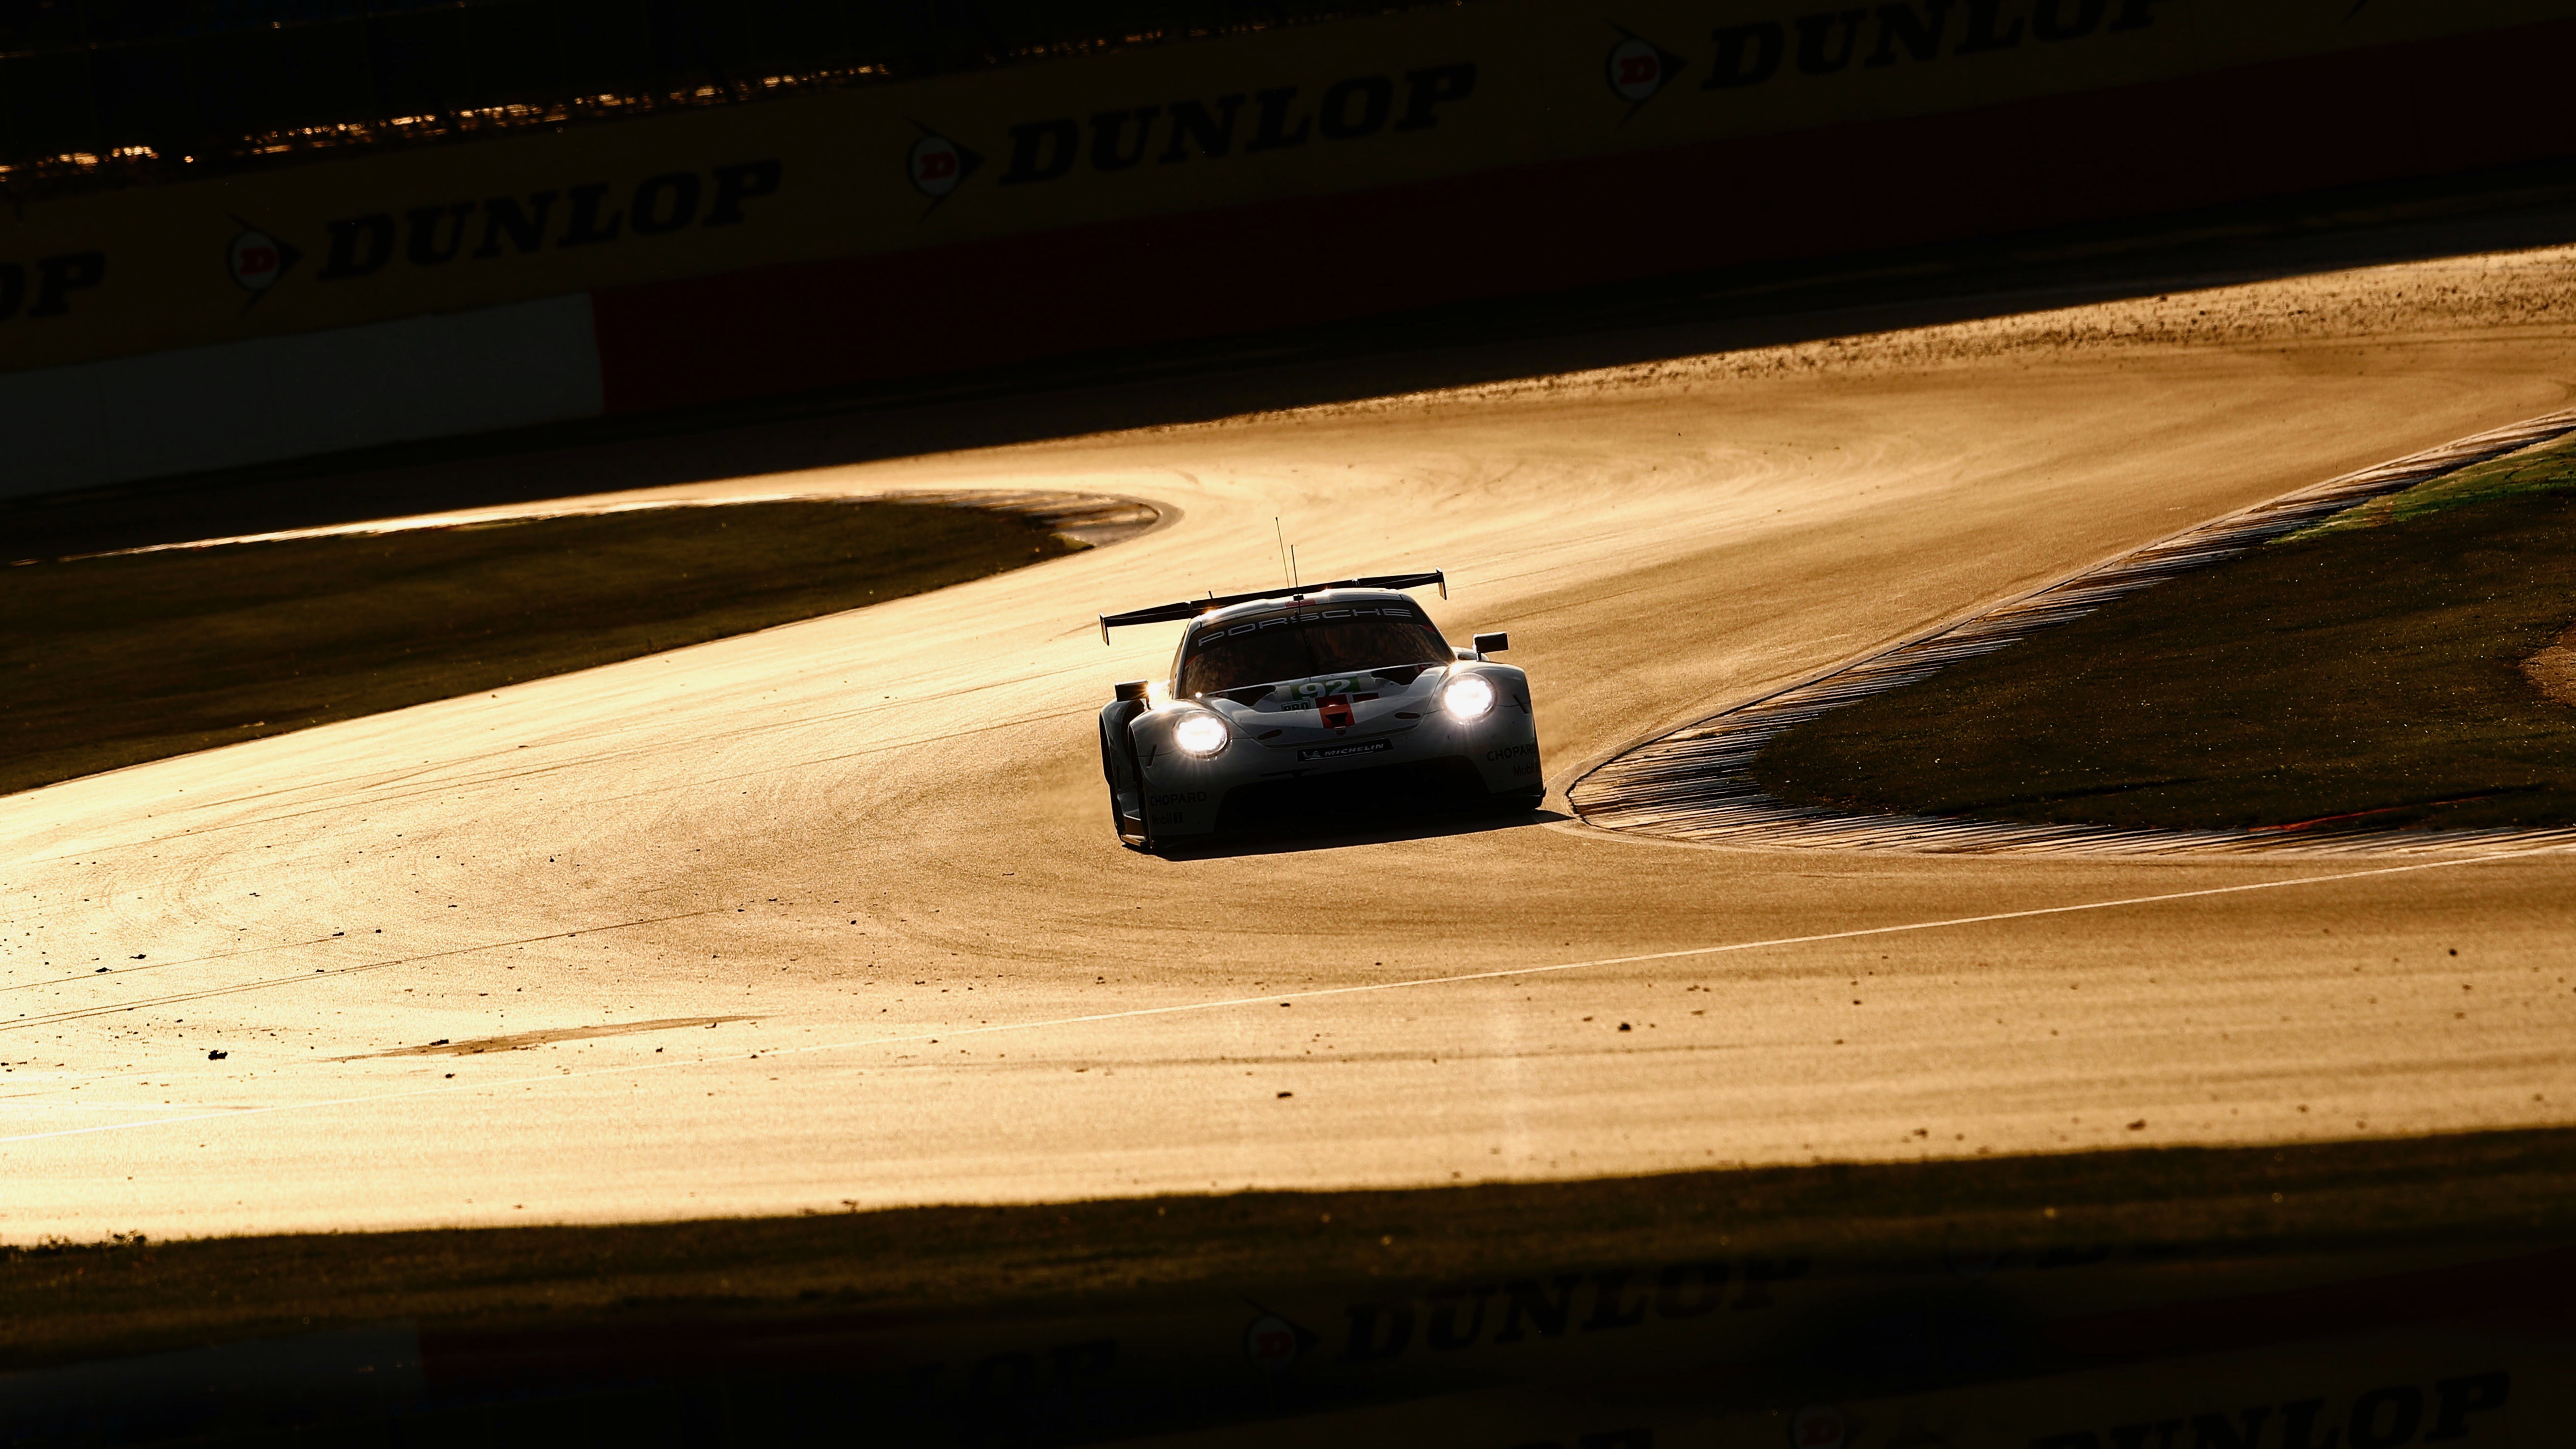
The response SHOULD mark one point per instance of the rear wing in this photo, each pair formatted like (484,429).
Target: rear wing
(1188,609)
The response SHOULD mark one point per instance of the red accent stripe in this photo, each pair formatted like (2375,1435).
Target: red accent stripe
(2276,129)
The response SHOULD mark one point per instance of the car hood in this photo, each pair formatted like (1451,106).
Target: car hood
(1378,701)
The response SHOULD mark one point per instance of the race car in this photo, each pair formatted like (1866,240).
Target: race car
(1313,699)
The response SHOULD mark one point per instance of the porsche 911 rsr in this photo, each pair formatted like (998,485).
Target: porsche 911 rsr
(1338,697)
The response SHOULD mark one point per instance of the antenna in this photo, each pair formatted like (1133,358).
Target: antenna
(1283,550)
(1292,565)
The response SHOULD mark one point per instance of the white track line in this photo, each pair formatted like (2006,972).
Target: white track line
(1234,1001)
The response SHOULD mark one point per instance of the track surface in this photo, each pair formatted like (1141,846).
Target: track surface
(842,839)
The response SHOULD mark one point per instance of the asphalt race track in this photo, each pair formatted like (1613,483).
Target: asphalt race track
(716,896)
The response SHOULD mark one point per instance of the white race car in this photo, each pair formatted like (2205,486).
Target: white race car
(1320,701)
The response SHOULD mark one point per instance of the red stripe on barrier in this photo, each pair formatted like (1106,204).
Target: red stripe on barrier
(2271,130)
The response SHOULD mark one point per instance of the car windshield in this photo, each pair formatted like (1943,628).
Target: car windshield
(1272,651)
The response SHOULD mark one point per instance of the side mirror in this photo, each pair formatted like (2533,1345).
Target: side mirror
(1493,643)
(1132,688)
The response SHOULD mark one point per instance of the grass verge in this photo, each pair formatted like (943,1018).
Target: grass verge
(2366,671)
(119,659)
(70,1302)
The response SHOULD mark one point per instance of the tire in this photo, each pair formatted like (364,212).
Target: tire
(1519,802)
(1132,830)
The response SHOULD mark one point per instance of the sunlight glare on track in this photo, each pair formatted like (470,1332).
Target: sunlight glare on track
(1225,1003)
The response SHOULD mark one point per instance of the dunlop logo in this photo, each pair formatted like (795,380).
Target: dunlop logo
(587,214)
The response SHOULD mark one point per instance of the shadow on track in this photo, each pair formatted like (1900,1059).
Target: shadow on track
(1299,836)
(2375,1294)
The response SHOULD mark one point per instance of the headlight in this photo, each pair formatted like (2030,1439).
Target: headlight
(1200,734)
(1469,696)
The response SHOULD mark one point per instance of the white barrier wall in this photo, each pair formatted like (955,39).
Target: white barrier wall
(269,398)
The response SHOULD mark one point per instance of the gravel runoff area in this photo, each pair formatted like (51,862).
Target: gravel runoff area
(2384,670)
(119,658)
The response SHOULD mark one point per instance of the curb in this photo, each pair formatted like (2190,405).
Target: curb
(1694,783)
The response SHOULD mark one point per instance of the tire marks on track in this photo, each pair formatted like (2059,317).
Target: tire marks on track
(379,794)
(1183,1008)
(117,972)
(334,973)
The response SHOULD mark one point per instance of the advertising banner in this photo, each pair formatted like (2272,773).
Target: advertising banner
(1156,132)
(2167,1348)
